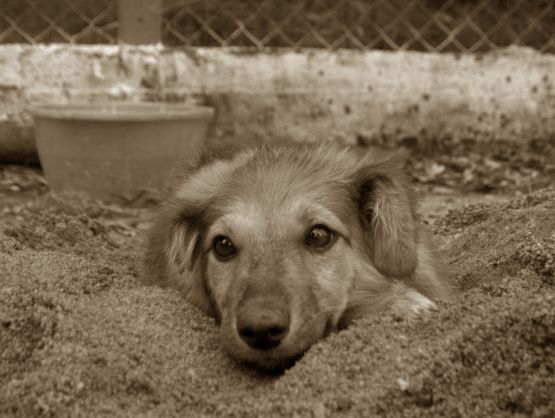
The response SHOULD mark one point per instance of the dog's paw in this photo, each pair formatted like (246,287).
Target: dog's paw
(413,304)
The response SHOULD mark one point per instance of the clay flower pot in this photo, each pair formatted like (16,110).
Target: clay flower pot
(116,150)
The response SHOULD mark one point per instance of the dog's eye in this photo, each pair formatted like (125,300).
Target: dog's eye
(223,248)
(319,237)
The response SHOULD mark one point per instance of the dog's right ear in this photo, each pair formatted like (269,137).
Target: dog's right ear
(173,254)
(174,246)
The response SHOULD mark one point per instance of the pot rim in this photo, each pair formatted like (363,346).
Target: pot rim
(121,111)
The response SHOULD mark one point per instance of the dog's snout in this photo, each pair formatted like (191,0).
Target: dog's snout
(261,325)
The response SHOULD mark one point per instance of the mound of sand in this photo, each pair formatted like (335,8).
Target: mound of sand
(80,337)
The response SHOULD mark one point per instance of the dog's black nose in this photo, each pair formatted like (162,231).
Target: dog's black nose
(262,329)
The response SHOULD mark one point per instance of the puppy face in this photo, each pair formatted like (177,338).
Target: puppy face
(284,244)
(279,272)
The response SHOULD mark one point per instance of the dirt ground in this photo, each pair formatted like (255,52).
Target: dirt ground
(79,336)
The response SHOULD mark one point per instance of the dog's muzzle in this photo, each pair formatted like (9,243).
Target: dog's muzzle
(262,324)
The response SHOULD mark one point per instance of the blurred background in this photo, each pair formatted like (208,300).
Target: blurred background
(420,25)
(467,86)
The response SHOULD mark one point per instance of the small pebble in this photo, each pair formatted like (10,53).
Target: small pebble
(403,384)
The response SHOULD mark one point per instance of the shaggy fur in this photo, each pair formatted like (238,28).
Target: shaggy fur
(277,295)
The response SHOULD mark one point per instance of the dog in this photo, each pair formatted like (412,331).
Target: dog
(283,244)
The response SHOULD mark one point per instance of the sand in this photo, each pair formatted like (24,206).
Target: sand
(80,336)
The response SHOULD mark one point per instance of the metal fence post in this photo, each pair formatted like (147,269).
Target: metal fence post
(140,21)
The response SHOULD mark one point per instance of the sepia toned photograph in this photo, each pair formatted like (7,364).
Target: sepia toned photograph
(277,208)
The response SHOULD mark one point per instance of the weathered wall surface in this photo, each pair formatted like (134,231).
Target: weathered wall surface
(301,96)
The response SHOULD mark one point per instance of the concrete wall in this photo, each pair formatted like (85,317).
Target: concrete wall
(309,95)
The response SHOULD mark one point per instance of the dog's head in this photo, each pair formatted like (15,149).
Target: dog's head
(272,241)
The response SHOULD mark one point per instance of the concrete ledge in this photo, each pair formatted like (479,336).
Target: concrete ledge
(310,95)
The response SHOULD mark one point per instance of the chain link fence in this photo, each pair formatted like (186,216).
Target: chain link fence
(422,25)
(48,21)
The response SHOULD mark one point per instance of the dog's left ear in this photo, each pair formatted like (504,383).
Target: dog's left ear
(386,213)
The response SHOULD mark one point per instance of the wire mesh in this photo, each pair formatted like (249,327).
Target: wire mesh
(49,21)
(422,25)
